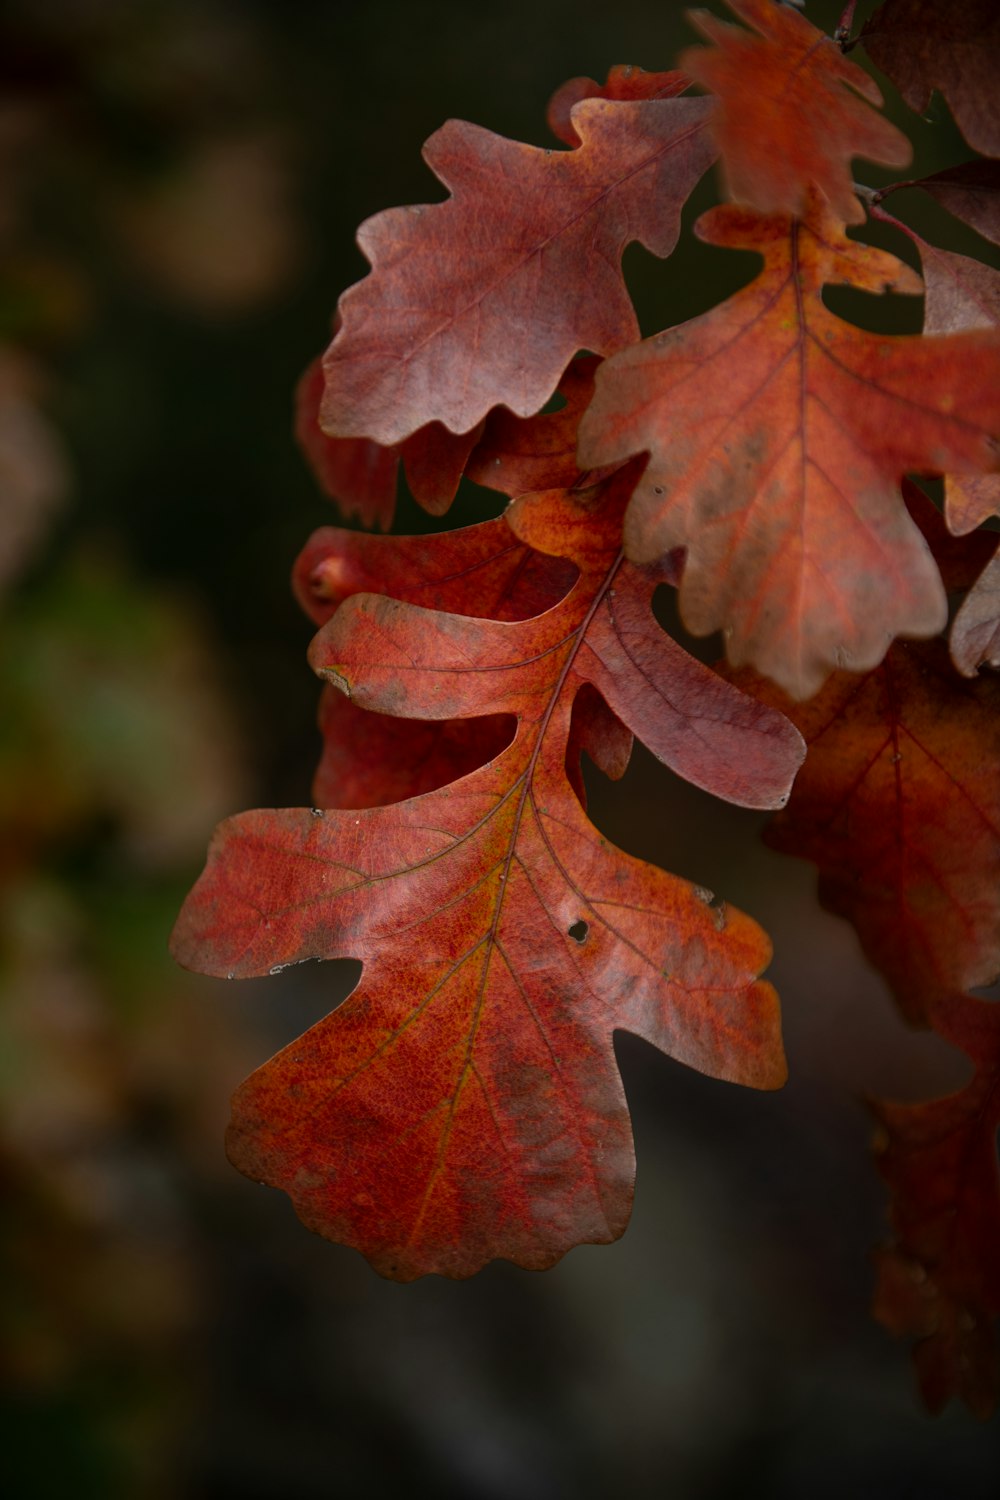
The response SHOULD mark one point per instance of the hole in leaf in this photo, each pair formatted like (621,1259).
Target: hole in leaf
(579,930)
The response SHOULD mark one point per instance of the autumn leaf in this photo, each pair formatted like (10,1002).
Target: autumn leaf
(939,1282)
(517,455)
(777,437)
(970,191)
(371,759)
(361,476)
(483,571)
(792,110)
(482,300)
(624,82)
(962,293)
(975,631)
(898,803)
(465,1102)
(924,45)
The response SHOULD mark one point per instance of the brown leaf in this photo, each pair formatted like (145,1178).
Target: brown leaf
(924,45)
(970,191)
(939,1282)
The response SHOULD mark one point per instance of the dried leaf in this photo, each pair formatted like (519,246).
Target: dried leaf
(465,1102)
(792,110)
(482,300)
(971,192)
(962,293)
(519,454)
(940,1280)
(361,476)
(371,759)
(898,803)
(924,45)
(777,437)
(975,631)
(624,82)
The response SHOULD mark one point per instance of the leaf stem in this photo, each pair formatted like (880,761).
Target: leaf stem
(842,32)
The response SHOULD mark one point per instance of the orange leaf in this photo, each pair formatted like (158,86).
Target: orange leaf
(789,113)
(940,1280)
(777,436)
(482,300)
(465,1102)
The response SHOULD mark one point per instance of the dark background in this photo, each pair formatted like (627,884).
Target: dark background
(179,188)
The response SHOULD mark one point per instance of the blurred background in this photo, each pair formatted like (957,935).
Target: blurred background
(179,188)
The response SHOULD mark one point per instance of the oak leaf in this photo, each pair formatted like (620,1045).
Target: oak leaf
(465,1102)
(624,82)
(970,191)
(482,300)
(975,630)
(898,804)
(962,293)
(791,110)
(517,455)
(940,1280)
(371,759)
(777,436)
(924,45)
(362,476)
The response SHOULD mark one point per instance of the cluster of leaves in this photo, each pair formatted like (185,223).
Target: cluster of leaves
(465,1102)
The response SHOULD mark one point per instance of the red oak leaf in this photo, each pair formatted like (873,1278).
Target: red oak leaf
(624,82)
(940,1280)
(792,110)
(361,476)
(482,300)
(465,1102)
(924,45)
(777,436)
(898,803)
